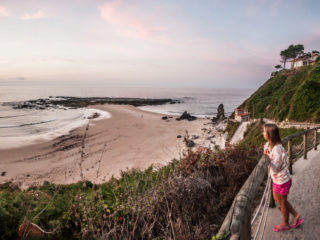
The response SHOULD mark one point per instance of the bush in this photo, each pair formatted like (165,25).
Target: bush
(187,199)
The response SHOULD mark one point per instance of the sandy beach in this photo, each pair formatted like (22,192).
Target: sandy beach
(131,138)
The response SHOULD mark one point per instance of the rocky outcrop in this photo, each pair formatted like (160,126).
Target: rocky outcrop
(79,102)
(220,114)
(188,141)
(186,116)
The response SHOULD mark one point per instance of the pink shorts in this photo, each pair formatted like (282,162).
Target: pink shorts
(282,189)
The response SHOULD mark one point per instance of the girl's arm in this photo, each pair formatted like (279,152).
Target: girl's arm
(266,149)
(276,159)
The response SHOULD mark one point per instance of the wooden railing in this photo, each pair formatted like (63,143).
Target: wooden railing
(237,223)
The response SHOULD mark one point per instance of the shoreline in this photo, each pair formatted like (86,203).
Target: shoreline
(131,138)
(13,142)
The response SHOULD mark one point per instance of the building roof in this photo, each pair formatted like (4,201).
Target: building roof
(304,57)
(244,114)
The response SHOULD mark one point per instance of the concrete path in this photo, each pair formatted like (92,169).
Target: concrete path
(305,198)
(238,135)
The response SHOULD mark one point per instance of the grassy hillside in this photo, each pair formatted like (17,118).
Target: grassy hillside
(291,94)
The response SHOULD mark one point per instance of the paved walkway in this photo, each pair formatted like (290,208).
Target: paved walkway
(305,198)
(238,135)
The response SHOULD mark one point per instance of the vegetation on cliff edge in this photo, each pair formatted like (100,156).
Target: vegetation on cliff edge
(291,94)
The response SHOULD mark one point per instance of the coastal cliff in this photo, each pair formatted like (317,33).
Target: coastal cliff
(290,94)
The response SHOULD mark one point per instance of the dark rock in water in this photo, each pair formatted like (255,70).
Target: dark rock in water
(179,136)
(164,118)
(220,114)
(186,116)
(3,174)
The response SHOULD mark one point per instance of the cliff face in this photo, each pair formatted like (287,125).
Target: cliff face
(291,94)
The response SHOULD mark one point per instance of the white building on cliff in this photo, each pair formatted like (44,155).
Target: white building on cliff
(304,61)
(241,115)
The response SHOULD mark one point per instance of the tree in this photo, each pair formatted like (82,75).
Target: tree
(292,52)
(284,57)
(315,51)
(278,66)
(295,51)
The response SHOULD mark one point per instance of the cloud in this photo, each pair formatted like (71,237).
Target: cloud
(37,15)
(4,12)
(130,23)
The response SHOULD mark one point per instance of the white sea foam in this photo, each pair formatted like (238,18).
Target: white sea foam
(61,126)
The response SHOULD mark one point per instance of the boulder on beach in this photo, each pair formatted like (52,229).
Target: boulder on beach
(186,116)
(188,141)
(194,137)
(93,116)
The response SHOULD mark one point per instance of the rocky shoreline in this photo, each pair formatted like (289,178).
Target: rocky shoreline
(79,102)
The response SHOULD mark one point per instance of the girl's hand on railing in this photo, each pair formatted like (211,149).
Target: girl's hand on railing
(266,152)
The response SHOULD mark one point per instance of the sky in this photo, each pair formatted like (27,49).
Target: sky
(152,43)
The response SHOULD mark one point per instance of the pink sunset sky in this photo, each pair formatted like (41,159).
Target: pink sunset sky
(152,43)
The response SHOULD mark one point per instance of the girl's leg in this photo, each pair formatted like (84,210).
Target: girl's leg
(284,209)
(275,197)
(295,215)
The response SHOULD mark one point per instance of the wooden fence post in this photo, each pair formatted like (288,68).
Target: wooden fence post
(315,139)
(305,146)
(290,155)
(272,203)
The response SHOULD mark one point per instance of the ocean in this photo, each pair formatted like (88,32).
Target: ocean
(21,126)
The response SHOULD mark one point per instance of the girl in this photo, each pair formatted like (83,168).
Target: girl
(280,176)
